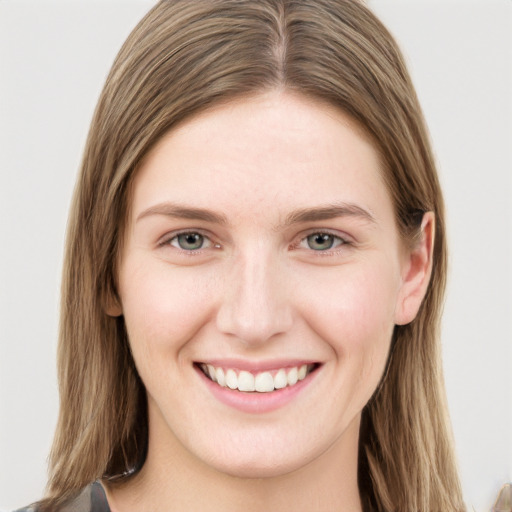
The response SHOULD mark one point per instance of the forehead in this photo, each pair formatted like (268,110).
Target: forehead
(263,155)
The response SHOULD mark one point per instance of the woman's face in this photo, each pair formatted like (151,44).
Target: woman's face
(261,254)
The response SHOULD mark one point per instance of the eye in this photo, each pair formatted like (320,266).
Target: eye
(322,241)
(190,241)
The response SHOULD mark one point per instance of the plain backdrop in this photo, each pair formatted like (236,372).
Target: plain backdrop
(54,57)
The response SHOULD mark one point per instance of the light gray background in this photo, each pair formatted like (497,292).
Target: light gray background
(54,57)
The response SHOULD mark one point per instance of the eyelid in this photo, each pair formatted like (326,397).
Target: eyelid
(345,239)
(165,240)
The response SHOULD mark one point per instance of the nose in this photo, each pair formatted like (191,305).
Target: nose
(255,306)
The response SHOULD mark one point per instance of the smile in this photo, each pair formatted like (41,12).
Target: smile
(261,382)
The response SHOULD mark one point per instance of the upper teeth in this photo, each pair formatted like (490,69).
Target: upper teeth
(262,382)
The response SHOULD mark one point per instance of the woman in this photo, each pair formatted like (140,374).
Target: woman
(254,273)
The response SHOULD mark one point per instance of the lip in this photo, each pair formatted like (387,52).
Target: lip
(254,402)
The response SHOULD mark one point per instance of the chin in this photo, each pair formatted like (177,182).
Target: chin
(258,469)
(268,460)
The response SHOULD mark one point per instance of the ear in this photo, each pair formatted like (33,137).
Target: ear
(112,305)
(416,272)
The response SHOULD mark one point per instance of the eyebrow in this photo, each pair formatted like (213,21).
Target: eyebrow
(329,212)
(183,212)
(312,214)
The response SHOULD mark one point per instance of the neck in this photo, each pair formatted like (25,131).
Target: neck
(182,482)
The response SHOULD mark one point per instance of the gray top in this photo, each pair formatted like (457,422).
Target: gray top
(91,499)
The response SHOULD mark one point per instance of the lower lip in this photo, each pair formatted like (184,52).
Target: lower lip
(256,402)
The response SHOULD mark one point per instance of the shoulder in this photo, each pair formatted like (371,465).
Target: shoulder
(91,499)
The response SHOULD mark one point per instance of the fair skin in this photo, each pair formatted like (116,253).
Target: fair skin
(261,240)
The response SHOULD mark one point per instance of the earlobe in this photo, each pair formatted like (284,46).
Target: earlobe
(112,306)
(416,273)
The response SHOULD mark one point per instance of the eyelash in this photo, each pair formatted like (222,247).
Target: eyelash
(338,242)
(167,241)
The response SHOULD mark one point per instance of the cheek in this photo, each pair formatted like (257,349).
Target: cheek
(164,307)
(352,309)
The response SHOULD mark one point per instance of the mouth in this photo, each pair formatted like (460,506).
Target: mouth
(267,381)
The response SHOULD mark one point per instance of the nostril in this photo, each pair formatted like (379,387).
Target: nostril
(253,324)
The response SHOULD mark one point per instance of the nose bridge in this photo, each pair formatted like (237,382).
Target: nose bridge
(255,305)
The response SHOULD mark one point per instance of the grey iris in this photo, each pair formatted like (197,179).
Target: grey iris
(190,241)
(320,241)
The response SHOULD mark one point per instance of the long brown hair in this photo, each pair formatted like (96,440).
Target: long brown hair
(182,58)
